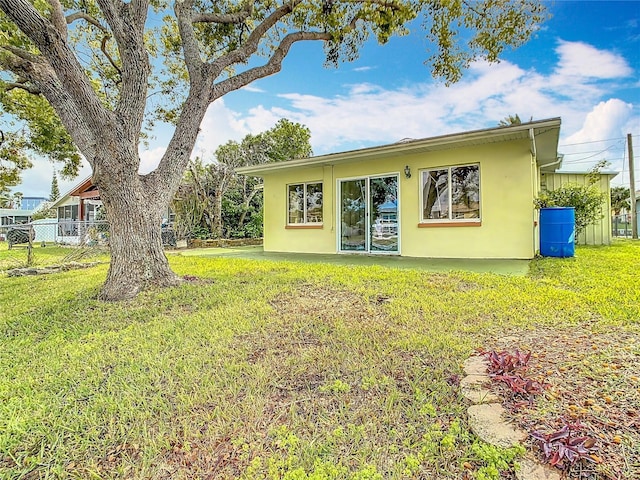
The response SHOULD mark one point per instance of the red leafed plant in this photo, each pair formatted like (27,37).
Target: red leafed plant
(520,384)
(505,362)
(561,448)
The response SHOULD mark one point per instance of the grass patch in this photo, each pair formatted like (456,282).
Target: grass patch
(278,369)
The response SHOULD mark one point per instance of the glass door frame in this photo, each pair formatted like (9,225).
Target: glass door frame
(368,220)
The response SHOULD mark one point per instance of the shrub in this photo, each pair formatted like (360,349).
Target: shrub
(586,199)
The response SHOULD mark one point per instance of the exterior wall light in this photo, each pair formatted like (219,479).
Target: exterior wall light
(407,171)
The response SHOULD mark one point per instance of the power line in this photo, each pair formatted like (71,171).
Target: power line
(597,141)
(582,160)
(585,152)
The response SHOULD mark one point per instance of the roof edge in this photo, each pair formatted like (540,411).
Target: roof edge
(404,147)
(70,191)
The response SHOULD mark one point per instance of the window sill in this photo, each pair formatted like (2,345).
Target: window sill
(449,224)
(303,226)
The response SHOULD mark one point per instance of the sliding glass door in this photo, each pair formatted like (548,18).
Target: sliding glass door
(353,207)
(383,201)
(369,215)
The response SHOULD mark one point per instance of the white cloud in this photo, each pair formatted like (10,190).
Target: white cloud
(578,59)
(602,136)
(219,125)
(149,159)
(606,120)
(368,114)
(252,88)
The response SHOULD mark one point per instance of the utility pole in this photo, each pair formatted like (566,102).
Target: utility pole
(632,189)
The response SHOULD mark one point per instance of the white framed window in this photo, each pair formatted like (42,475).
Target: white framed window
(305,203)
(450,194)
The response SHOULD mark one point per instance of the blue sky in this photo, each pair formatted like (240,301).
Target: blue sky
(583,66)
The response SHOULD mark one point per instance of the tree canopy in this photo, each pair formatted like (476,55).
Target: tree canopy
(212,42)
(213,201)
(91,77)
(620,199)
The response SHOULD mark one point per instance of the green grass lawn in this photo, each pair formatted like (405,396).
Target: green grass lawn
(281,369)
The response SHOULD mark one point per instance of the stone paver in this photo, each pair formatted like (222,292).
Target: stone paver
(530,469)
(475,365)
(487,422)
(473,389)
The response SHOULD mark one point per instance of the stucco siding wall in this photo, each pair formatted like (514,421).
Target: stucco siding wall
(279,238)
(507,183)
(598,233)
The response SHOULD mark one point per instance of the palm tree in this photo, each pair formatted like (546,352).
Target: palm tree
(6,200)
(510,120)
(620,198)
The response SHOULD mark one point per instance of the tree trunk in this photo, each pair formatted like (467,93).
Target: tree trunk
(247,203)
(216,224)
(138,261)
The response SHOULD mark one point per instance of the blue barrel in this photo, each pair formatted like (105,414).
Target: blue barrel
(557,231)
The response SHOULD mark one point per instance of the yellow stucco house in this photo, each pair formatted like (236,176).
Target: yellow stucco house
(464,195)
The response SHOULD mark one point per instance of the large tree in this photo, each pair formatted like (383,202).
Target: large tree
(90,61)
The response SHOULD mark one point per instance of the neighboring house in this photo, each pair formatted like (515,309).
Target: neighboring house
(598,233)
(11,216)
(31,203)
(80,215)
(76,210)
(463,195)
(622,222)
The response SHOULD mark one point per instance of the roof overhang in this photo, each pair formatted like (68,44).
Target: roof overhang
(543,135)
(75,191)
(15,212)
(610,174)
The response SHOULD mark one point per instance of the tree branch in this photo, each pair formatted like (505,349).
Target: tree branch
(23,54)
(103,48)
(42,76)
(272,66)
(225,18)
(107,35)
(166,177)
(32,89)
(251,46)
(56,63)
(88,18)
(241,54)
(193,61)
(57,17)
(126,21)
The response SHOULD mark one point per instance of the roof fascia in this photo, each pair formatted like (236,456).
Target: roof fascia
(576,172)
(64,197)
(405,148)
